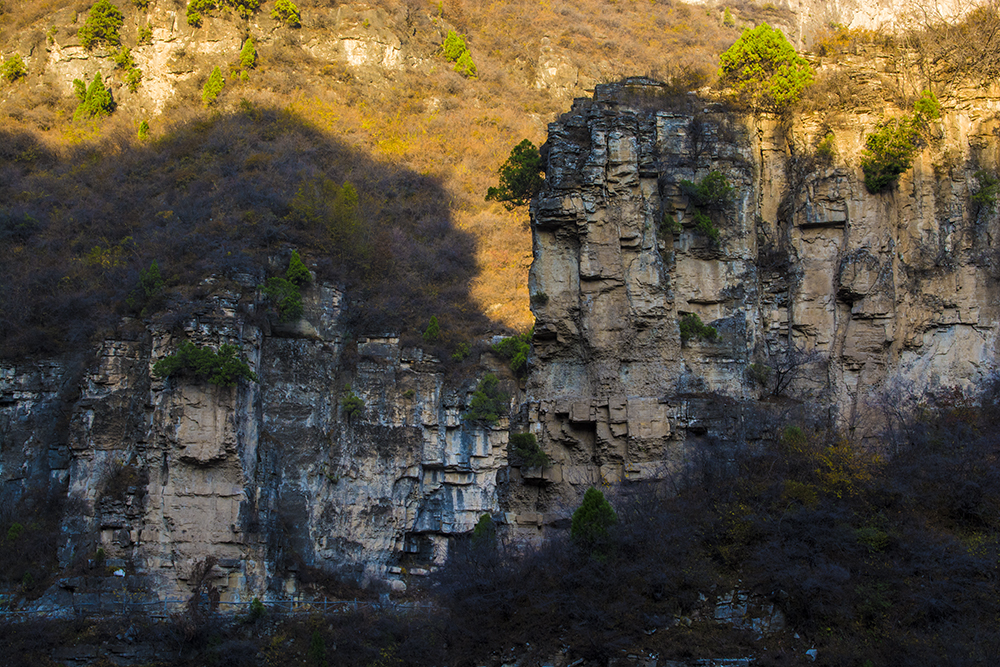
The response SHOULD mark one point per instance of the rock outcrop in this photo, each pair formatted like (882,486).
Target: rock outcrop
(840,295)
(171,486)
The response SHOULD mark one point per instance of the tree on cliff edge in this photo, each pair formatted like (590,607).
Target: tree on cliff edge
(764,70)
(520,177)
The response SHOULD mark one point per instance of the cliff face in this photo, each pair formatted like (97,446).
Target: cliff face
(846,296)
(185,486)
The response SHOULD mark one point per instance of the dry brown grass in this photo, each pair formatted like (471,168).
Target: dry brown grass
(433,122)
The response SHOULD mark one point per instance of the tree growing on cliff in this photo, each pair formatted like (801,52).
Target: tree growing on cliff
(104,21)
(488,403)
(520,177)
(224,368)
(889,152)
(764,70)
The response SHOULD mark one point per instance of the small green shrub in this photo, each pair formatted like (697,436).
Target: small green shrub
(13,68)
(927,107)
(143,132)
(592,520)
(141,4)
(516,349)
(123,58)
(539,299)
(287,12)
(520,177)
(95,99)
(525,446)
(257,610)
(433,330)
(351,403)
(213,86)
(245,8)
(764,69)
(145,34)
(285,296)
(703,223)
(133,78)
(669,225)
(987,189)
(317,649)
(224,368)
(485,531)
(889,152)
(297,272)
(714,191)
(248,54)
(195,9)
(874,539)
(461,352)
(691,326)
(455,50)
(14,531)
(104,21)
(488,402)
(727,18)
(826,149)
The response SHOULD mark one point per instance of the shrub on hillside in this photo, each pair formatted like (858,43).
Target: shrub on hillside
(520,177)
(516,349)
(13,68)
(433,330)
(147,297)
(764,69)
(95,100)
(286,12)
(525,447)
(213,86)
(351,403)
(691,326)
(455,50)
(248,54)
(102,26)
(987,189)
(592,521)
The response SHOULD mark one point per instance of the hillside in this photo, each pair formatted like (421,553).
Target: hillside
(251,292)
(367,79)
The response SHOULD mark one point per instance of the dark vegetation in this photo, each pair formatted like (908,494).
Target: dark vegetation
(215,197)
(520,177)
(885,556)
(691,326)
(223,367)
(489,402)
(527,451)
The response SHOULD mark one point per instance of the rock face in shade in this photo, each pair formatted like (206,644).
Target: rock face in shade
(183,485)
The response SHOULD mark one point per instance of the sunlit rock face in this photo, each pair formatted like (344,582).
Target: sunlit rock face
(871,293)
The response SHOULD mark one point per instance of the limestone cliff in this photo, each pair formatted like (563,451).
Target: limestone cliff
(255,484)
(183,486)
(852,295)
